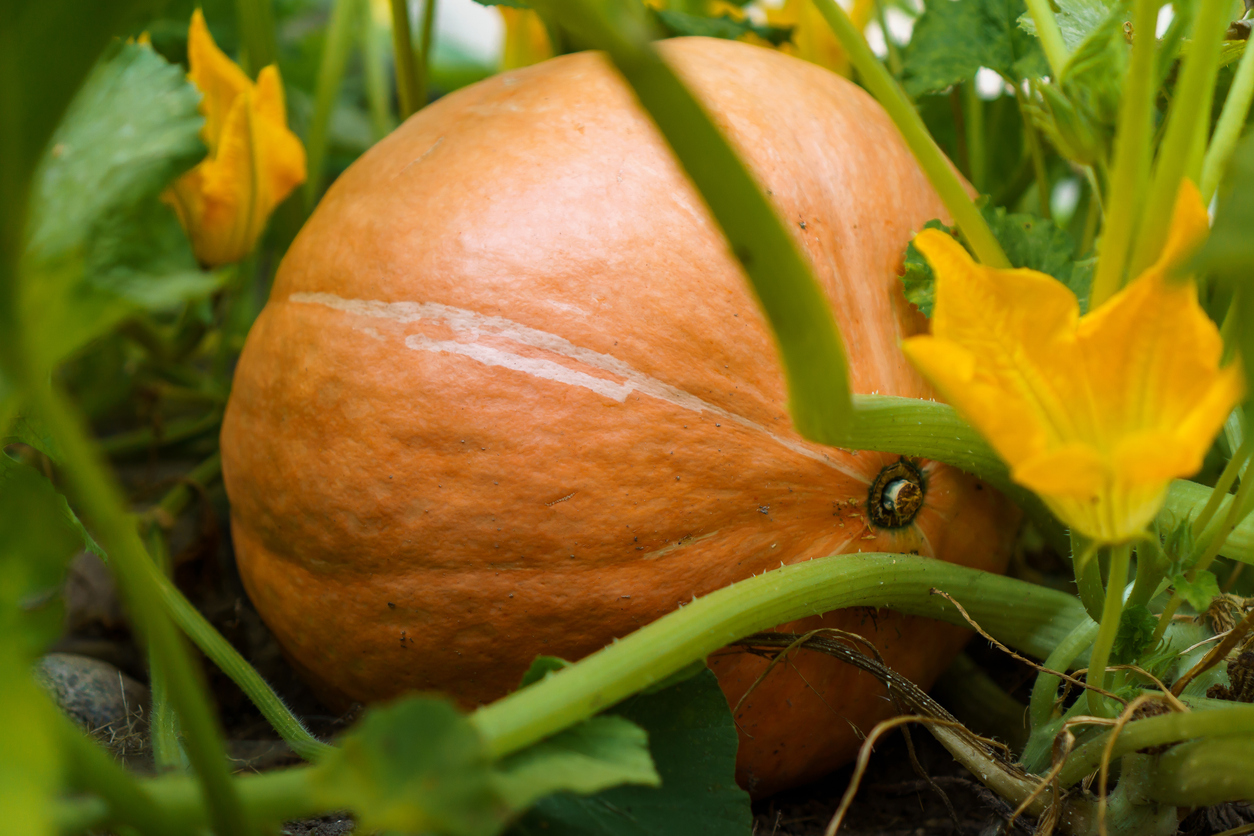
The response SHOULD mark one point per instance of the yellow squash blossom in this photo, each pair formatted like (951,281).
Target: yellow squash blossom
(1096,414)
(526,41)
(254,161)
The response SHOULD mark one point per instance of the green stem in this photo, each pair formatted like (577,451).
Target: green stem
(1185,499)
(1116,583)
(1043,190)
(145,439)
(1187,124)
(256,23)
(1205,772)
(807,335)
(1151,568)
(1222,486)
(1228,130)
(91,769)
(890,47)
(230,662)
(1234,721)
(1088,575)
(980,703)
(167,752)
(891,97)
(1132,158)
(1050,36)
(1045,689)
(101,501)
(335,50)
(172,504)
(374,66)
(403,59)
(1029,617)
(973,117)
(426,38)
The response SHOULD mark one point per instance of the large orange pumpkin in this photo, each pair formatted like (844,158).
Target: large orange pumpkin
(511,396)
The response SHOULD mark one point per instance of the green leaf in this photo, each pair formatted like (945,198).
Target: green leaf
(99,243)
(1199,592)
(677,23)
(693,741)
(33,432)
(953,38)
(1027,240)
(416,765)
(598,753)
(1076,18)
(919,280)
(1135,634)
(542,667)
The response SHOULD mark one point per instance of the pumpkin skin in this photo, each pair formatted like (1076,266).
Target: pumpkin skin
(511,395)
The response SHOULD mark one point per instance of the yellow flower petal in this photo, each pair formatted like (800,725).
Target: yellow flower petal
(1097,414)
(254,161)
(217,77)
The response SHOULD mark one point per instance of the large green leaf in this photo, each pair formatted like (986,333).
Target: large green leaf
(693,741)
(954,38)
(419,766)
(99,243)
(801,319)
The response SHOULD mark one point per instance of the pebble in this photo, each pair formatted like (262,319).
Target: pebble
(95,695)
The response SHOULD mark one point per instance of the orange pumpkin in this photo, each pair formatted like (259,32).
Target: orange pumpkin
(511,396)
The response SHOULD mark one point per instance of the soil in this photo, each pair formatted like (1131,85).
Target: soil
(893,800)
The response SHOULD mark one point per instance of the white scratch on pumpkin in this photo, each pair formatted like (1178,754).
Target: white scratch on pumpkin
(474,325)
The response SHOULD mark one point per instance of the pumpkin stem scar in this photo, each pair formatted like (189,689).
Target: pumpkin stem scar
(896,495)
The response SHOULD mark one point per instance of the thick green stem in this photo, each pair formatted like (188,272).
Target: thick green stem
(335,49)
(100,499)
(1045,689)
(1132,157)
(1228,129)
(426,39)
(1185,499)
(1187,124)
(1032,618)
(1088,575)
(1120,557)
(980,704)
(891,97)
(1236,721)
(890,46)
(1205,772)
(403,59)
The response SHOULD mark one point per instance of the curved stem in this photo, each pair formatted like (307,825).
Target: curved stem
(1228,129)
(1045,689)
(101,501)
(891,97)
(1026,616)
(1132,157)
(1234,721)
(1120,556)
(1050,36)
